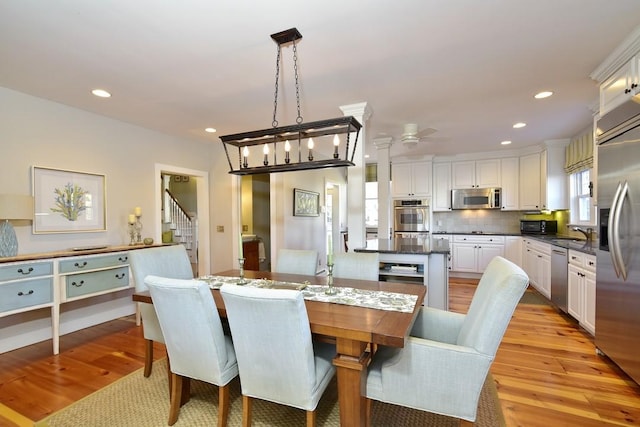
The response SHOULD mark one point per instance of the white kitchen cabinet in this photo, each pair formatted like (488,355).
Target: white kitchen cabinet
(544,185)
(537,264)
(411,179)
(581,299)
(513,249)
(472,253)
(448,238)
(510,178)
(441,200)
(621,86)
(475,174)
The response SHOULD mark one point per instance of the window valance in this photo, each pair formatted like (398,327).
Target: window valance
(579,153)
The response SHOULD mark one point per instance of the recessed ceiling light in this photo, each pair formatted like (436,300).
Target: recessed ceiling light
(101,93)
(505,142)
(519,125)
(210,130)
(544,94)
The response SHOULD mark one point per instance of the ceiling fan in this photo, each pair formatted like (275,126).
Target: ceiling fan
(411,135)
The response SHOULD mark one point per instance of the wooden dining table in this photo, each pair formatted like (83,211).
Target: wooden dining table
(357,331)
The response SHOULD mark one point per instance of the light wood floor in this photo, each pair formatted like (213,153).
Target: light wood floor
(547,371)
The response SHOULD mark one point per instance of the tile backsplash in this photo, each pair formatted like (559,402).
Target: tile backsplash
(488,221)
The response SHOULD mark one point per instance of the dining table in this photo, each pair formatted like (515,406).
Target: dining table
(356,330)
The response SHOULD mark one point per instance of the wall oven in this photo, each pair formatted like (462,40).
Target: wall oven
(411,216)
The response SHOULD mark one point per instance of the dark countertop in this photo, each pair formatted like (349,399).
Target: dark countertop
(406,246)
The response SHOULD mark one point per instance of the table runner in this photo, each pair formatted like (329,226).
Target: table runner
(381,300)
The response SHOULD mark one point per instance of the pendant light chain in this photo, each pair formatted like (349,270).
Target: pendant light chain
(295,70)
(274,123)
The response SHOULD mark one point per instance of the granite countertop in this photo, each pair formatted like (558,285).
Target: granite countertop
(406,246)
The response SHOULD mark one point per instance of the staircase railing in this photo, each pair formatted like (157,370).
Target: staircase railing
(181,223)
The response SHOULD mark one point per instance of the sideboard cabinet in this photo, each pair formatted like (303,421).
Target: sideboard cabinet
(44,296)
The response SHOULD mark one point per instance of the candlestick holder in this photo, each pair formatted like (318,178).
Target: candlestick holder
(138,229)
(242,280)
(331,290)
(132,233)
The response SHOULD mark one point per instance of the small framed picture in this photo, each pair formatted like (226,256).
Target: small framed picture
(305,203)
(68,201)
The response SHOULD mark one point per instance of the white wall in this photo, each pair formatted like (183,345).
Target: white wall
(44,133)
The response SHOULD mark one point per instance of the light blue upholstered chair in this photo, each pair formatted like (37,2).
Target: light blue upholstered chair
(277,358)
(165,261)
(196,344)
(356,265)
(297,261)
(445,363)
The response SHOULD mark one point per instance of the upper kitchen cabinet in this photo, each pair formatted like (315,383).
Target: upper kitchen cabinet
(621,86)
(411,179)
(441,200)
(543,182)
(475,174)
(619,74)
(510,172)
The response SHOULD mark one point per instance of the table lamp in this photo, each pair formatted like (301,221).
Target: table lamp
(12,207)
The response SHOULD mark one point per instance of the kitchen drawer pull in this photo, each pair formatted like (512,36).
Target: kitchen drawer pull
(120,276)
(76,284)
(29,271)
(84,264)
(20,294)
(123,259)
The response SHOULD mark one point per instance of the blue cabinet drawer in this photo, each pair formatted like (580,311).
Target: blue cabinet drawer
(25,293)
(93,263)
(25,270)
(96,281)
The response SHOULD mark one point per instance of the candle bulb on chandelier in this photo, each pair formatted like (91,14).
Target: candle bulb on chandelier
(245,156)
(310,146)
(336,143)
(287,148)
(265,150)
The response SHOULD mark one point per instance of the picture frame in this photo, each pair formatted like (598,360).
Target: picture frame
(305,203)
(68,201)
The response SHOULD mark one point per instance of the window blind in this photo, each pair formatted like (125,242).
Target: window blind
(579,154)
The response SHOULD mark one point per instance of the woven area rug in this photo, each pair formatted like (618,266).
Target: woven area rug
(137,401)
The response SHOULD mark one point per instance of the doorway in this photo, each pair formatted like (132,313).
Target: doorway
(196,200)
(256,219)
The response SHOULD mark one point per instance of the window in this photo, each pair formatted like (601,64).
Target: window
(581,198)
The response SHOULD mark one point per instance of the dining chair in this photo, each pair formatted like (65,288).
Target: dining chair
(297,261)
(277,359)
(165,261)
(196,344)
(445,362)
(356,265)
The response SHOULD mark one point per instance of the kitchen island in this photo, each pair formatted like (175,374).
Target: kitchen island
(422,261)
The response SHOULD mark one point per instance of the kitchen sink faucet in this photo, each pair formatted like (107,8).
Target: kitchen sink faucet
(588,233)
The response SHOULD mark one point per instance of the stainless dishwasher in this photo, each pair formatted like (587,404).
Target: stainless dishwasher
(559,277)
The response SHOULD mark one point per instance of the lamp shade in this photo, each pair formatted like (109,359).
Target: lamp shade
(16,206)
(12,206)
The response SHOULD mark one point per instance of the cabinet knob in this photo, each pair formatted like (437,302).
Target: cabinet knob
(634,85)
(21,271)
(627,90)
(84,264)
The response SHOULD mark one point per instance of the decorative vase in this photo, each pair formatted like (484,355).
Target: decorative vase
(8,240)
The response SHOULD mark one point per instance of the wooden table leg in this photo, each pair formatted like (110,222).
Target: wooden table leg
(351,366)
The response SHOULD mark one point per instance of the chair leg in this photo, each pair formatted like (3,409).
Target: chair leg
(176,397)
(223,404)
(311,418)
(246,411)
(465,423)
(148,357)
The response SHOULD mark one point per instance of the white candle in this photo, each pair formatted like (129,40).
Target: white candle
(240,254)
(265,150)
(132,219)
(138,211)
(310,147)
(329,250)
(336,143)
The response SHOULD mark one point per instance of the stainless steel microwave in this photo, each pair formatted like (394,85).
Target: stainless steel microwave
(476,198)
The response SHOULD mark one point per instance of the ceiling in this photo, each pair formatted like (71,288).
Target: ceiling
(467,68)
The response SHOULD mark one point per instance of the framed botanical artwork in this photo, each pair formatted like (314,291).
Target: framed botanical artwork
(68,201)
(305,203)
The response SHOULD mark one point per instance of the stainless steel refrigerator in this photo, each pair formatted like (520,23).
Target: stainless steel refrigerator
(618,254)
